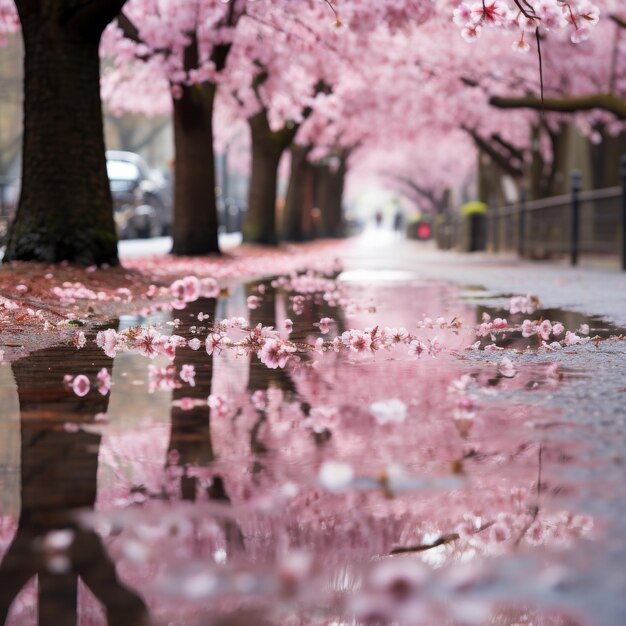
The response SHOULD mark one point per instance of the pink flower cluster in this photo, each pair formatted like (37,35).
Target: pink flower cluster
(526,305)
(81,385)
(69,292)
(544,329)
(166,378)
(190,288)
(490,327)
(549,15)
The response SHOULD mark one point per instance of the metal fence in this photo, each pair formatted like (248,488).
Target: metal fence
(582,223)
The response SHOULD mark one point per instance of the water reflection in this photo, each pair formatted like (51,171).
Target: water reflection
(59,464)
(233,510)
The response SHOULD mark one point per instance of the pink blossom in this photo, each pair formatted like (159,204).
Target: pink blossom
(506,368)
(288,325)
(389,411)
(209,288)
(571,339)
(219,405)
(462,383)
(552,372)
(79,339)
(274,353)
(356,340)
(187,289)
(335,475)
(81,385)
(259,400)
(110,342)
(581,34)
(321,419)
(396,335)
(253,302)
(150,343)
(162,378)
(491,13)
(417,348)
(194,343)
(557,329)
(462,15)
(324,324)
(104,381)
(500,323)
(523,304)
(434,346)
(520,45)
(213,343)
(186,403)
(297,304)
(584,329)
(545,329)
(471,32)
(188,375)
(528,328)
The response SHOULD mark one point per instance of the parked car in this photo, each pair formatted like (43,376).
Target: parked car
(142,197)
(9,196)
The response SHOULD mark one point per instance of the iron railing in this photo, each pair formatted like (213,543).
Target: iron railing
(578,224)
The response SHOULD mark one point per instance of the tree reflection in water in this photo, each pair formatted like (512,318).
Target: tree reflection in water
(59,463)
(224,517)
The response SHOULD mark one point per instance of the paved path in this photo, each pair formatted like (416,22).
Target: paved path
(598,291)
(160,246)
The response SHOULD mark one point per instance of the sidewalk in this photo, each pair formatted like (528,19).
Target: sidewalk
(593,291)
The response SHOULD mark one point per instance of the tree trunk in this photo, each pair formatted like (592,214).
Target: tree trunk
(267,148)
(330,199)
(65,210)
(195,225)
(299,201)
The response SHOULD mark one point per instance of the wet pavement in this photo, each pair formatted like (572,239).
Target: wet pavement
(384,477)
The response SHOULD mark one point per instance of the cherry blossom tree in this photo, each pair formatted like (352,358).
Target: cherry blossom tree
(65,209)
(170,58)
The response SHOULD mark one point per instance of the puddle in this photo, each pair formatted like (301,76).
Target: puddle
(336,489)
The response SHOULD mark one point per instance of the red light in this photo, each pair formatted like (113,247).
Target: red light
(423,231)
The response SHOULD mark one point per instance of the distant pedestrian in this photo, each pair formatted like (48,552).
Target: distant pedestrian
(379,219)
(398,221)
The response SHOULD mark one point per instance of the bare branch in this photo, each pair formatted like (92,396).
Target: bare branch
(441,541)
(569,104)
(620,21)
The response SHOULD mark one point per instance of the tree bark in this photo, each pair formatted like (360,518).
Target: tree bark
(58,478)
(299,201)
(267,149)
(195,227)
(65,212)
(331,183)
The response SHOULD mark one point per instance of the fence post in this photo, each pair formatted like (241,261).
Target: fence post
(623,172)
(521,224)
(575,216)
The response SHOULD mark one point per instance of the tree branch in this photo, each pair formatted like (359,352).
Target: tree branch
(513,150)
(569,104)
(620,21)
(441,541)
(94,15)
(501,160)
(129,30)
